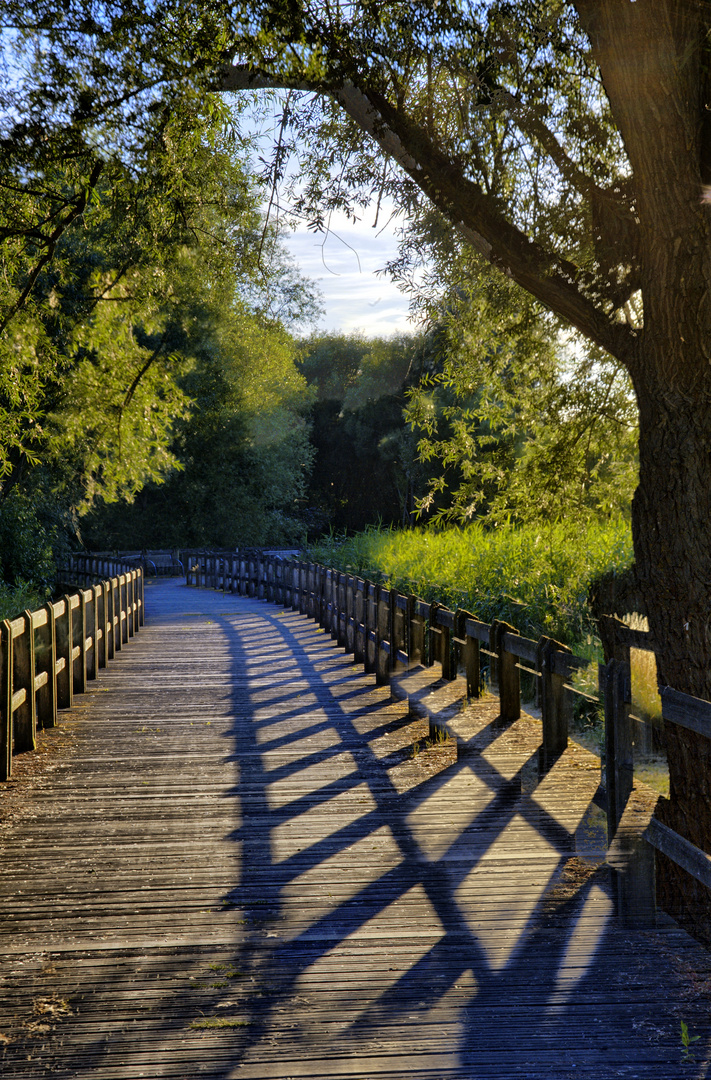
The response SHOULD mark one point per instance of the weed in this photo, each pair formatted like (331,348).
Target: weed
(686,1041)
(219,1022)
(439,736)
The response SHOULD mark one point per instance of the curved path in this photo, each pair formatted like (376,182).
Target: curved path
(232,865)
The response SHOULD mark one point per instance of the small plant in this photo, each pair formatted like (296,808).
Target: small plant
(686,1041)
(218,1022)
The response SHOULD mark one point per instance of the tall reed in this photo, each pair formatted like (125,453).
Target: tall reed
(536,578)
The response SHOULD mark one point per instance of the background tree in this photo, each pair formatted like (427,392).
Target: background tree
(365,466)
(243,448)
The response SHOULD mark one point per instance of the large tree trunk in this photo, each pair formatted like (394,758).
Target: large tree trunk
(654,65)
(672,536)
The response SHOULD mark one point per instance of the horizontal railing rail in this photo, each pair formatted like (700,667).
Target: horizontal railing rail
(49,655)
(389,632)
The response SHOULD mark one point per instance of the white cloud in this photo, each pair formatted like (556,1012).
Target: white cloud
(344,264)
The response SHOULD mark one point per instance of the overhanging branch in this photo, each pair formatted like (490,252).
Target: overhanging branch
(556,282)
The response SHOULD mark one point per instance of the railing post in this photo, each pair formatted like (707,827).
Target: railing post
(64,628)
(554,703)
(359,617)
(619,745)
(398,640)
(383,637)
(46,664)
(23,678)
(341,603)
(509,676)
(371,591)
(632,858)
(433,637)
(469,655)
(79,643)
(5,700)
(129,604)
(114,617)
(449,667)
(416,633)
(101,639)
(141,614)
(90,639)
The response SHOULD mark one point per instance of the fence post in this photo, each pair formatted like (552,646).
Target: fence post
(619,747)
(79,643)
(46,664)
(371,591)
(350,614)
(23,678)
(383,634)
(359,616)
(341,597)
(469,655)
(446,658)
(433,636)
(507,671)
(554,703)
(398,635)
(64,641)
(416,634)
(101,643)
(90,636)
(141,613)
(5,700)
(631,857)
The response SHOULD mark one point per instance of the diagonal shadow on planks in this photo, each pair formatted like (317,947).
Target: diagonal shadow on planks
(235,870)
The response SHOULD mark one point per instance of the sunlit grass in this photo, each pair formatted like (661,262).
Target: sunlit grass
(535,578)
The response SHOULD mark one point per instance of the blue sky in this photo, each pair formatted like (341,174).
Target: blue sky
(344,264)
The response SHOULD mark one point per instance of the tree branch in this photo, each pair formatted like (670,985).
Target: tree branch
(556,282)
(76,211)
(151,360)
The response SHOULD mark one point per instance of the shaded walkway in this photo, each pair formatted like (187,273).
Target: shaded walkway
(237,869)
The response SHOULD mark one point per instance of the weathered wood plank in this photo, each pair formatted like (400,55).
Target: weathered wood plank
(235,829)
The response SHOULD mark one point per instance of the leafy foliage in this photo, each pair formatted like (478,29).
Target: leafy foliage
(359,428)
(527,423)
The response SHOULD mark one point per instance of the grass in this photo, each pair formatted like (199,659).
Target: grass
(219,1022)
(536,578)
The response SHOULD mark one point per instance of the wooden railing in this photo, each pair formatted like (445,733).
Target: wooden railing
(391,633)
(49,655)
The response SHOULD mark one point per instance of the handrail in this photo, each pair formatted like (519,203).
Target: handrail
(389,632)
(49,655)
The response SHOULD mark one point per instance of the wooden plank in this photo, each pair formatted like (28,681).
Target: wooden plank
(691,858)
(236,829)
(687,711)
(478,630)
(522,647)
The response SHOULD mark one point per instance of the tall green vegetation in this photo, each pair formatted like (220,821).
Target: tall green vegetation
(520,422)
(535,577)
(145,310)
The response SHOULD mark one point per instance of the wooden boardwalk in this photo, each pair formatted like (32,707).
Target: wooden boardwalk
(231,865)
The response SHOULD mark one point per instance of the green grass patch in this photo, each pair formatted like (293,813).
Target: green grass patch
(534,577)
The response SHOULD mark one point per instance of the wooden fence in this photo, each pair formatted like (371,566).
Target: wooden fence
(49,655)
(390,633)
